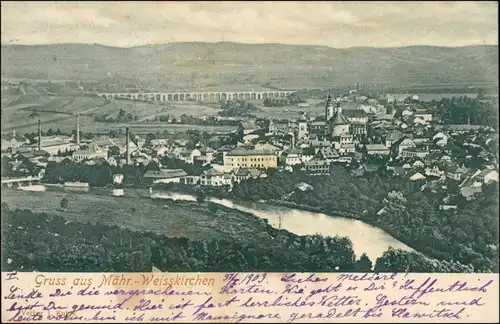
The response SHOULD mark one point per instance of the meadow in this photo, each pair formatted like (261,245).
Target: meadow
(135,211)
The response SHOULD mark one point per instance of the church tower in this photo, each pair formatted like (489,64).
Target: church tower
(303,131)
(329,108)
(339,125)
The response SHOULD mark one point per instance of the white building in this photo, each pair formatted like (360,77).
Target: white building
(165,175)
(92,152)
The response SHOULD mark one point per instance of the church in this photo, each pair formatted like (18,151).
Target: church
(335,127)
(334,124)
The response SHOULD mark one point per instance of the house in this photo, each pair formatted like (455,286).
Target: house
(403,144)
(188,156)
(13,141)
(317,145)
(406,166)
(393,137)
(415,176)
(308,154)
(434,172)
(317,127)
(291,156)
(470,192)
(440,139)
(423,115)
(217,178)
(160,150)
(159,141)
(247,173)
(207,152)
(328,154)
(398,171)
(413,152)
(456,173)
(406,112)
(347,149)
(165,176)
(250,137)
(356,116)
(92,152)
(487,175)
(302,186)
(418,163)
(317,166)
(376,149)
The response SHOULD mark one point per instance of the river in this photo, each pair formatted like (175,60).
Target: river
(365,238)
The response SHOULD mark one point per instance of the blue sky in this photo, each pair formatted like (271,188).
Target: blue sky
(335,24)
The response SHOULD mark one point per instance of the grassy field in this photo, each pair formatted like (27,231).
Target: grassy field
(174,219)
(57,112)
(145,110)
(288,112)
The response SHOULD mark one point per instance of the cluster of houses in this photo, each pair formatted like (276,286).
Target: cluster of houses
(356,132)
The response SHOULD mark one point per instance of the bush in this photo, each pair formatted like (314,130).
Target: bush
(213,207)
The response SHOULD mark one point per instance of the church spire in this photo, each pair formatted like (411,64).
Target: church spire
(329,110)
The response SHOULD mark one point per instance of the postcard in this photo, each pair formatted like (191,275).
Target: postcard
(238,162)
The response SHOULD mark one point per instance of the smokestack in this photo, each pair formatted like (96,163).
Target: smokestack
(78,129)
(39,135)
(126,143)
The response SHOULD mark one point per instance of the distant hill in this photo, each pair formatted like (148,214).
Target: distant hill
(195,65)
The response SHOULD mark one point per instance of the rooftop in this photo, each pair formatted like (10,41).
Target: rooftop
(244,152)
(165,173)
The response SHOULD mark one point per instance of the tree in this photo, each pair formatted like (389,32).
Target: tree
(213,207)
(364,264)
(201,196)
(64,203)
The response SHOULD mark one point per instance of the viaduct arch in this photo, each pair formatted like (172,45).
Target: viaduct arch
(197,96)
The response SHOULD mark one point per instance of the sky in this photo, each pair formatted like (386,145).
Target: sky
(334,24)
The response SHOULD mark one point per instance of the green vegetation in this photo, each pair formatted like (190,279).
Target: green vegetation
(237,108)
(459,110)
(48,243)
(468,235)
(121,117)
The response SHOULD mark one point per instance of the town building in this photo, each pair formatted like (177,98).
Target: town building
(253,158)
(377,149)
(317,166)
(93,151)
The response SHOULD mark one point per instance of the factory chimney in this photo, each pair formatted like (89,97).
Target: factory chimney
(127,145)
(39,135)
(78,129)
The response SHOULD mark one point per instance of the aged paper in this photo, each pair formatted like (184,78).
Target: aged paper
(233,161)
(249,297)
